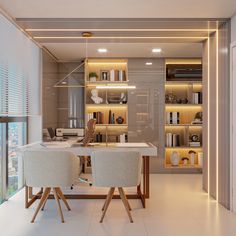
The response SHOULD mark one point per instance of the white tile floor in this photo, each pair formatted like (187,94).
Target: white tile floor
(177,207)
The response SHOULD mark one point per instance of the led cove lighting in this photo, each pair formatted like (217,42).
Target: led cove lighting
(115,87)
(102,50)
(148,63)
(156,50)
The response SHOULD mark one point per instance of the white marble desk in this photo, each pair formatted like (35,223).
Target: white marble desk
(145,149)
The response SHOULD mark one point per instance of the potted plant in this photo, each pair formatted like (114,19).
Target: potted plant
(93,76)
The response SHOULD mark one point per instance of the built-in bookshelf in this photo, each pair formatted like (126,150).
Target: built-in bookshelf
(183,115)
(106,98)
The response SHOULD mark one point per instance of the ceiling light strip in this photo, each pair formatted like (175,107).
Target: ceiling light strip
(217,117)
(119,30)
(117,37)
(208,117)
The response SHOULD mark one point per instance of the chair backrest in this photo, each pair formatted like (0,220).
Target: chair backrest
(112,168)
(89,133)
(50,168)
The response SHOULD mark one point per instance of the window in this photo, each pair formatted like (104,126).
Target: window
(16,137)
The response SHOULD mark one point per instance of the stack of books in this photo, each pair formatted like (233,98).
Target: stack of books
(117,75)
(172,117)
(99,116)
(172,140)
(99,138)
(197,98)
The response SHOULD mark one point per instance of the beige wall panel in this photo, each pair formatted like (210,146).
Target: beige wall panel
(224,116)
(50,94)
(205,115)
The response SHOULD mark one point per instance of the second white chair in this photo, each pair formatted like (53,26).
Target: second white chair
(116,169)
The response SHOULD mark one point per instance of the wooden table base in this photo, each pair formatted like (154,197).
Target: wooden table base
(142,191)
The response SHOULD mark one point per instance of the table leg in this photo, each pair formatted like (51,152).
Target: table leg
(147,173)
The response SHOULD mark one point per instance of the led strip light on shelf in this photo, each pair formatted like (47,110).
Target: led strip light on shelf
(115,87)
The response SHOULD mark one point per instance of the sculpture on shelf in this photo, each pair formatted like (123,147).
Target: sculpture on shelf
(96,99)
(123,98)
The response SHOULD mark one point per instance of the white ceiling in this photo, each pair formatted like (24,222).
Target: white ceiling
(119,8)
(75,51)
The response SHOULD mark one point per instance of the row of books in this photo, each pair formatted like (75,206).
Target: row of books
(117,75)
(111,117)
(172,140)
(172,117)
(122,138)
(99,116)
(100,138)
(197,98)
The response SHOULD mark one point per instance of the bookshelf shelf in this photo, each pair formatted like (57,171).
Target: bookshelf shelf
(183,166)
(184,147)
(184,125)
(187,106)
(183,106)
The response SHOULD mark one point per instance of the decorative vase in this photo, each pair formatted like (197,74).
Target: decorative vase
(93,79)
(120,120)
(174,158)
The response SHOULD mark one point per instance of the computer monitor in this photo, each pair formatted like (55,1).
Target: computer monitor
(51,132)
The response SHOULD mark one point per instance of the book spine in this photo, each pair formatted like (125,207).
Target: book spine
(167,117)
(177,117)
(109,117)
(195,98)
(112,75)
(171,117)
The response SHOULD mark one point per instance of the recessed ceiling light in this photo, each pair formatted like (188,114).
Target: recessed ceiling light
(64,82)
(102,50)
(148,63)
(156,50)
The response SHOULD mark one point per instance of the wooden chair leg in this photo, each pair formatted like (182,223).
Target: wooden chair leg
(126,199)
(40,203)
(123,198)
(110,195)
(61,195)
(46,200)
(106,199)
(58,204)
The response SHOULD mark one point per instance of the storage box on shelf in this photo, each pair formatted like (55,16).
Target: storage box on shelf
(183,113)
(106,98)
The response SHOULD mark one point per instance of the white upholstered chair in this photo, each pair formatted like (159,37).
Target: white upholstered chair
(50,169)
(116,169)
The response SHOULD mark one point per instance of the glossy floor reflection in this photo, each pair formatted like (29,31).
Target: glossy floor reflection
(177,206)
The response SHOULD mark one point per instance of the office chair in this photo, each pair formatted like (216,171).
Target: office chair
(88,137)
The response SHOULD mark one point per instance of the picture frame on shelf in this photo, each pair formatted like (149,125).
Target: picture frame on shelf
(104,75)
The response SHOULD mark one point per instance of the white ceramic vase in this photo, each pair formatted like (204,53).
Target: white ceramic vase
(174,158)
